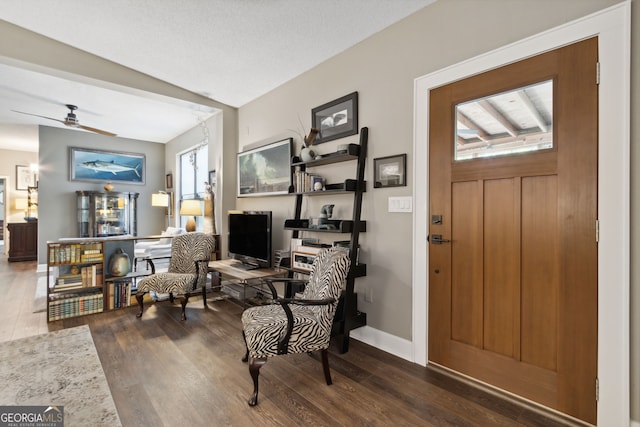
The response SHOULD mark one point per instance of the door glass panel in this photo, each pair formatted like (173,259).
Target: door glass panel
(512,122)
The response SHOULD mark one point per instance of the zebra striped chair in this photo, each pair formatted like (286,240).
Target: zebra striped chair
(190,255)
(297,325)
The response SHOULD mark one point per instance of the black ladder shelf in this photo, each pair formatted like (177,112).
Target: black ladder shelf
(348,317)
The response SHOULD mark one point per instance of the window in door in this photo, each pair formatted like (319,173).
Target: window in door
(516,121)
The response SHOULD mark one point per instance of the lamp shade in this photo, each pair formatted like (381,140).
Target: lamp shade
(191,207)
(22,204)
(160,199)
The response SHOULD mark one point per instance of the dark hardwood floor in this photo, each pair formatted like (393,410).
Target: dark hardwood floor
(164,372)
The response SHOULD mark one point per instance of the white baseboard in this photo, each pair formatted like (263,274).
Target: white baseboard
(635,423)
(384,341)
(42,268)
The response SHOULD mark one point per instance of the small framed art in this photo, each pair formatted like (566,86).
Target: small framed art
(390,171)
(336,119)
(25,178)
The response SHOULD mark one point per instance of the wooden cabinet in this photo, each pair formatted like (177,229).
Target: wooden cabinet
(106,214)
(23,241)
(348,317)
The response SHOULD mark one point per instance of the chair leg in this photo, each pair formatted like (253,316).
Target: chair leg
(204,294)
(325,366)
(139,298)
(183,301)
(254,370)
(246,354)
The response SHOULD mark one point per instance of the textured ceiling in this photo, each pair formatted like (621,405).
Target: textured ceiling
(232,51)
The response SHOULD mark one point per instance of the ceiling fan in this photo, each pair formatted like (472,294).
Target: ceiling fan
(71,120)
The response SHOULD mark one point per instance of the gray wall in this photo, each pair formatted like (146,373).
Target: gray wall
(56,192)
(382,69)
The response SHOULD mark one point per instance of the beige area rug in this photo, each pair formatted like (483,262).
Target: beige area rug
(59,368)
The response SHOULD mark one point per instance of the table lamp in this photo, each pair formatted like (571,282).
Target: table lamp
(23,205)
(191,207)
(160,199)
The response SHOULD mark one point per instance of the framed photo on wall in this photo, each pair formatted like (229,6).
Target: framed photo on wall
(25,178)
(100,165)
(336,119)
(390,171)
(265,170)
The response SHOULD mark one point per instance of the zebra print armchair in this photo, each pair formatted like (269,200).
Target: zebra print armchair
(297,325)
(190,255)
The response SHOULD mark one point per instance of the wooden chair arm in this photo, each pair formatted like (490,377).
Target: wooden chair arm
(300,301)
(197,262)
(283,344)
(288,281)
(274,293)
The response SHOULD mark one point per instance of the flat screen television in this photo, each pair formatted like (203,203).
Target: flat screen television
(250,238)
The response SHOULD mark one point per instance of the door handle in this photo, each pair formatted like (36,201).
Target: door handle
(436,239)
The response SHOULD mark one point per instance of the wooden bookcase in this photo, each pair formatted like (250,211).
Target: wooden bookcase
(348,317)
(75,282)
(79,282)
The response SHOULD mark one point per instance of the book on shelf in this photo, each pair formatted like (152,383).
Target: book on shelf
(119,294)
(71,305)
(75,253)
(305,182)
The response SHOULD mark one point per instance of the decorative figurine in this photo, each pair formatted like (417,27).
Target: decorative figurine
(323,219)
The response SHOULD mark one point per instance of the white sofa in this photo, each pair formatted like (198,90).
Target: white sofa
(157,251)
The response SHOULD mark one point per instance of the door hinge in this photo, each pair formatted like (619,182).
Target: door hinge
(597,389)
(597,231)
(597,73)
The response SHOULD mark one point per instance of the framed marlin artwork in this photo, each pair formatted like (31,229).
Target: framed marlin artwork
(98,165)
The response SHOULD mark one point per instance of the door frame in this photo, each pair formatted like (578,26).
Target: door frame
(613,28)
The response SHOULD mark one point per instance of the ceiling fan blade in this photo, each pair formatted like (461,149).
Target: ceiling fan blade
(69,123)
(90,129)
(38,115)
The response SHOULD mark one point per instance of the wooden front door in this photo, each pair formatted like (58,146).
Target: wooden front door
(513,279)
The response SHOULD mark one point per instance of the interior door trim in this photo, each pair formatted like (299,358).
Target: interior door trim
(612,26)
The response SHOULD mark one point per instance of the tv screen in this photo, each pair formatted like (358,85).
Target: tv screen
(250,238)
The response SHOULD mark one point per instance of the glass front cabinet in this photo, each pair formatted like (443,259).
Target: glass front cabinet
(103,214)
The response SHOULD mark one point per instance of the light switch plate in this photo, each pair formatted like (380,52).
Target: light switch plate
(401,204)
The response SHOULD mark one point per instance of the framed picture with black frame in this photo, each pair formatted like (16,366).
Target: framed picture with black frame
(336,119)
(390,171)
